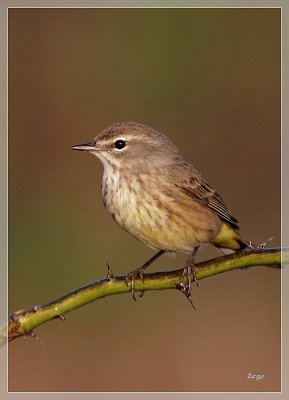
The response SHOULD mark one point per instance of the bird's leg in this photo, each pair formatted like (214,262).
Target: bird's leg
(139,272)
(188,271)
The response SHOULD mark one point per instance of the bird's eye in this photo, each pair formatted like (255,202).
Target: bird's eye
(120,144)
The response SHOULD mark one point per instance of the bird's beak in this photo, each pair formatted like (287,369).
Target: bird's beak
(83,147)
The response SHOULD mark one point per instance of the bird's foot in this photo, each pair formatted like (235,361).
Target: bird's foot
(130,280)
(139,273)
(190,273)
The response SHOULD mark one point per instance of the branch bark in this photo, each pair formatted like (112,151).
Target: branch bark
(23,322)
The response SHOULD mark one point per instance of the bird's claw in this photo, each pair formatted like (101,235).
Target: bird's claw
(186,290)
(189,272)
(130,280)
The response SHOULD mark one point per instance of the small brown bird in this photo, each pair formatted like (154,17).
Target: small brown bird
(155,194)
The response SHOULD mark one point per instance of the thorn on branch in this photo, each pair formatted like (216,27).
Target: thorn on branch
(60,316)
(261,245)
(264,244)
(36,337)
(109,274)
(23,322)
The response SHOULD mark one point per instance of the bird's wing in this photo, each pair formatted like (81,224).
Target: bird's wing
(198,189)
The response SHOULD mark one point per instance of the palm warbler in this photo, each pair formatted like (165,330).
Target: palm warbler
(155,194)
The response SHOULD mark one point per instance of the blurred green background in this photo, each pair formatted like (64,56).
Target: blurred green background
(210,80)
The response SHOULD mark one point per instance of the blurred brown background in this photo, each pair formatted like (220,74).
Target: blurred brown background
(210,80)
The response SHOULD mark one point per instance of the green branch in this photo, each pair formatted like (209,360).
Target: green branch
(23,322)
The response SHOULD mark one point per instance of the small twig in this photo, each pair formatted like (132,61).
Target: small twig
(23,322)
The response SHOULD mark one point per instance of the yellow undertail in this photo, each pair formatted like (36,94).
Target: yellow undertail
(229,238)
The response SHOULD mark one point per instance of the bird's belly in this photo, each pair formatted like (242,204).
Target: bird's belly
(159,221)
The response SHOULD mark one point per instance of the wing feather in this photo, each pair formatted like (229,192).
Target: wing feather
(198,189)
(206,195)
